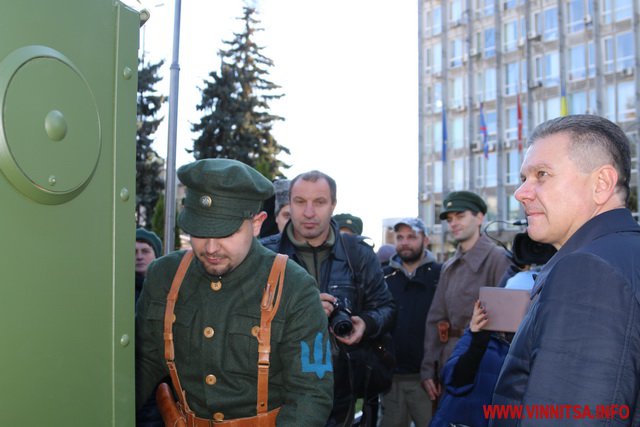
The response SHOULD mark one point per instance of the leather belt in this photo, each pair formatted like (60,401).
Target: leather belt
(266,419)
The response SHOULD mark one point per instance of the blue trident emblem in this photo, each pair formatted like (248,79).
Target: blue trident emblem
(317,364)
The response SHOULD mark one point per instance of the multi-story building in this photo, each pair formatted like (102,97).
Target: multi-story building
(490,71)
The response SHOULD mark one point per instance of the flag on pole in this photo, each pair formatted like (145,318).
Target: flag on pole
(519,112)
(444,134)
(483,132)
(564,109)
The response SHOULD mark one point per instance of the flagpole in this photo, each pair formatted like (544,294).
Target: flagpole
(170,186)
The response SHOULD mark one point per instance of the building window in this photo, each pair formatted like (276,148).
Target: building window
(623,10)
(492,170)
(457,133)
(511,129)
(490,84)
(513,167)
(578,103)
(550,24)
(456,53)
(513,208)
(437,138)
(511,78)
(456,12)
(437,20)
(577,62)
(457,92)
(551,69)
(609,54)
(624,51)
(575,20)
(458,174)
(552,108)
(489,42)
(510,36)
(492,125)
(509,4)
(488,8)
(626,101)
(437,177)
(437,97)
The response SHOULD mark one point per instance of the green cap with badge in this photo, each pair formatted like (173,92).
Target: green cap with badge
(221,194)
(350,222)
(460,201)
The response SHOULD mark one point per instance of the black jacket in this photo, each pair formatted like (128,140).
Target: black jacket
(413,296)
(339,273)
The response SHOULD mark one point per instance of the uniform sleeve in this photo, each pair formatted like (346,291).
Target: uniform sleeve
(432,345)
(584,348)
(378,308)
(150,366)
(305,351)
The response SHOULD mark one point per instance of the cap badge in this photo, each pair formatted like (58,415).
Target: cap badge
(205,201)
(449,204)
(349,221)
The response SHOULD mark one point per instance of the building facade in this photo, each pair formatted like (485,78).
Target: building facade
(491,70)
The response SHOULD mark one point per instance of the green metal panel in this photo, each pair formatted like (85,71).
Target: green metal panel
(68,76)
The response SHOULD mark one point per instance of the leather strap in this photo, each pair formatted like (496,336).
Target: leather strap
(169,318)
(268,308)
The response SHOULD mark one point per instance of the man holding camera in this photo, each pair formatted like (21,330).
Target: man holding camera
(350,279)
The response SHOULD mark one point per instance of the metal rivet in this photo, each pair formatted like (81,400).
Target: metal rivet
(210,379)
(124,194)
(52,180)
(208,332)
(124,340)
(127,73)
(255,331)
(216,286)
(55,125)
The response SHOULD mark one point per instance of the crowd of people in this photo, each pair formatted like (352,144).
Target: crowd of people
(307,324)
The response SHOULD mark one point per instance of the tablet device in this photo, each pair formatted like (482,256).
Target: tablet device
(505,307)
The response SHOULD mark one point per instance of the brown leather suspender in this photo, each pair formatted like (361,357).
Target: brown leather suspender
(268,308)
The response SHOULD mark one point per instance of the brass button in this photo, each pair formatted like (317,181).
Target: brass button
(210,379)
(255,331)
(218,416)
(216,286)
(208,332)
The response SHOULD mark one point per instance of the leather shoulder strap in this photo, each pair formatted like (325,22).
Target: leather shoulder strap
(268,308)
(169,318)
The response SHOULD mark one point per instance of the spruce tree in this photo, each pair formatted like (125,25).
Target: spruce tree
(149,165)
(237,121)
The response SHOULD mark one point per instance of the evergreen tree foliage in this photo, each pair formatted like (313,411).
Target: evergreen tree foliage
(157,224)
(149,165)
(237,122)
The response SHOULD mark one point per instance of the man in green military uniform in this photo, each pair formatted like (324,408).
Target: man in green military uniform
(218,314)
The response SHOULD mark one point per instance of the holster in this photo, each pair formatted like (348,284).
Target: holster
(171,414)
(443,331)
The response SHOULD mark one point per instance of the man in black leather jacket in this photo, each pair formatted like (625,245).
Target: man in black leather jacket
(348,274)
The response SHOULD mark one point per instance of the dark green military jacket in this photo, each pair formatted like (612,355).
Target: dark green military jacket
(216,352)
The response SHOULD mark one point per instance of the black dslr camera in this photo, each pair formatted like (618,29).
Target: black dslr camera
(527,251)
(340,319)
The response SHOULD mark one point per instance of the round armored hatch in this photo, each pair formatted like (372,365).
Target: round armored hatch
(50,136)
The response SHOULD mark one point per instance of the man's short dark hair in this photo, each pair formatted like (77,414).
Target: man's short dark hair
(595,141)
(313,176)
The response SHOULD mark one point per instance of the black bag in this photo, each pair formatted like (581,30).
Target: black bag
(371,366)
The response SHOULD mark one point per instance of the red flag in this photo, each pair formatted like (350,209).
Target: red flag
(519,124)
